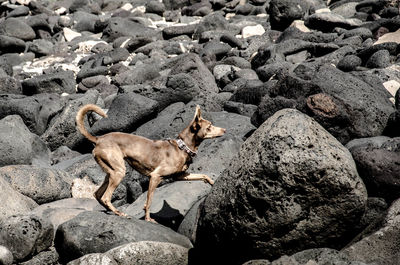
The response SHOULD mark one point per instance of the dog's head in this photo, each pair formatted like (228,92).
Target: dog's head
(204,128)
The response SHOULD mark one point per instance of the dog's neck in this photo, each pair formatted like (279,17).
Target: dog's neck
(190,138)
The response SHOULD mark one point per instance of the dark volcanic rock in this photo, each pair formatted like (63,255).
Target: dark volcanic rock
(378,163)
(92,232)
(13,202)
(40,184)
(381,246)
(118,27)
(14,27)
(326,22)
(126,113)
(283,13)
(332,98)
(349,63)
(19,146)
(25,235)
(58,82)
(62,129)
(281,193)
(380,59)
(11,44)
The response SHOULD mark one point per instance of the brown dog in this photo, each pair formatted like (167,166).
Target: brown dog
(153,158)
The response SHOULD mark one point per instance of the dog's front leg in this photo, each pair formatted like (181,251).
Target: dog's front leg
(191,176)
(155,179)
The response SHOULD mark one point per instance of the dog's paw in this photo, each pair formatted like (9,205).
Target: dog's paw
(207,179)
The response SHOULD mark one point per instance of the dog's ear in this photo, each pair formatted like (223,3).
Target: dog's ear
(197,114)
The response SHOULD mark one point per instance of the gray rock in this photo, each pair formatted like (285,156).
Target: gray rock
(58,82)
(25,235)
(141,253)
(61,211)
(26,107)
(380,59)
(49,256)
(283,13)
(118,27)
(13,202)
(19,146)
(10,85)
(85,166)
(35,111)
(171,202)
(6,257)
(349,63)
(332,99)
(61,130)
(192,64)
(381,246)
(175,31)
(127,112)
(95,232)
(378,163)
(155,7)
(40,184)
(240,108)
(14,27)
(63,153)
(214,21)
(288,168)
(188,226)
(326,22)
(41,47)
(11,44)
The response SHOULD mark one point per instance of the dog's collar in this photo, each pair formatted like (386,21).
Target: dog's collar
(182,145)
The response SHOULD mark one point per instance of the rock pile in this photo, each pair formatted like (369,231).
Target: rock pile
(307,173)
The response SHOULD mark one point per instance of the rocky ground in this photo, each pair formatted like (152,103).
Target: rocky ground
(307,173)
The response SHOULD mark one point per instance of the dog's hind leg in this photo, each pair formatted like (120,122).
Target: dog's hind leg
(115,169)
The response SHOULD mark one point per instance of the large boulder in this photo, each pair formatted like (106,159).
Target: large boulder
(96,232)
(19,146)
(25,235)
(13,202)
(378,163)
(40,184)
(292,186)
(140,253)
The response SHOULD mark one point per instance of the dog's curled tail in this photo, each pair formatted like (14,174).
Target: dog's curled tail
(80,116)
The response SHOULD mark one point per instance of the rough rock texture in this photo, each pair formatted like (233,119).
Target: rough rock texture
(143,252)
(19,146)
(378,163)
(13,202)
(25,235)
(381,246)
(40,184)
(291,186)
(91,232)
